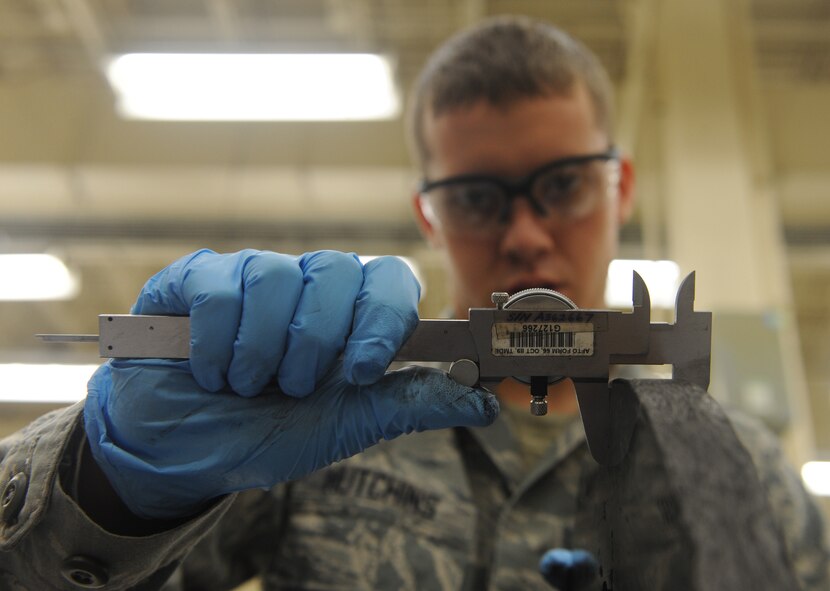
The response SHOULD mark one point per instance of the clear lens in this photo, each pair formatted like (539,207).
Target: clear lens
(468,206)
(570,191)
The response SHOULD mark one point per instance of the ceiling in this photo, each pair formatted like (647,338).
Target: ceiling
(120,198)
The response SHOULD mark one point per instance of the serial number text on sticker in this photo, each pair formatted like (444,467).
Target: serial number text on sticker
(537,339)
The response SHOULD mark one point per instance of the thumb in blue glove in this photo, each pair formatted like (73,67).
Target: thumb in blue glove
(264,398)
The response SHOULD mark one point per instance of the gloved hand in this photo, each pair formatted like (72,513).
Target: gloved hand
(264,398)
(569,570)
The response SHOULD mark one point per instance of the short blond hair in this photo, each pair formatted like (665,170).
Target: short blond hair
(503,60)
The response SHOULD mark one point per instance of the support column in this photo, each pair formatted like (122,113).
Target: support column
(720,213)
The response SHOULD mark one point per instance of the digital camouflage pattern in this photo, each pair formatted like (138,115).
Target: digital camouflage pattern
(452,509)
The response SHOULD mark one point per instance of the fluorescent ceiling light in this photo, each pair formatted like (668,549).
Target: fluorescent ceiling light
(661,277)
(253,86)
(32,277)
(816,477)
(44,382)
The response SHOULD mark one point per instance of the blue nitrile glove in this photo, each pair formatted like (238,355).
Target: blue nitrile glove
(264,398)
(569,570)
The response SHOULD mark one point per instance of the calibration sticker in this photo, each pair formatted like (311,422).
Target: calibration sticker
(531,339)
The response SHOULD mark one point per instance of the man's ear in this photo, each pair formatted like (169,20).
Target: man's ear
(625,205)
(427,228)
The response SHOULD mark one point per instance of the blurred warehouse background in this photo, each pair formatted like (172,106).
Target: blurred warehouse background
(725,107)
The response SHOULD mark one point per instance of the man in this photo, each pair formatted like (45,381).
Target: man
(135,489)
(546,119)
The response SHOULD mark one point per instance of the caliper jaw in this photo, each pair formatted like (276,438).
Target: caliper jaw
(609,413)
(608,416)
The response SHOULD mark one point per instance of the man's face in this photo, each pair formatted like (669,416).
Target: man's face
(569,255)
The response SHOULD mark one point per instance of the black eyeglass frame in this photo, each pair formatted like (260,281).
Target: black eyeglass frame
(521,187)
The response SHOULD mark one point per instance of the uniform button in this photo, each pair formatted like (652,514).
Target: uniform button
(84,572)
(12,497)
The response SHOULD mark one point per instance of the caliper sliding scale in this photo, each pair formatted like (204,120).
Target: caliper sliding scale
(537,336)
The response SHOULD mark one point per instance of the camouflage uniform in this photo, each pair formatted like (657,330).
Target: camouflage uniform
(452,509)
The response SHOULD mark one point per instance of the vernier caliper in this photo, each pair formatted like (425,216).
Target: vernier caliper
(537,336)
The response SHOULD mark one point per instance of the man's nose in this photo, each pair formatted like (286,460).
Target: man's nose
(527,235)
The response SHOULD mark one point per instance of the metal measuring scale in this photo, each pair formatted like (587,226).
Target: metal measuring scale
(537,336)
